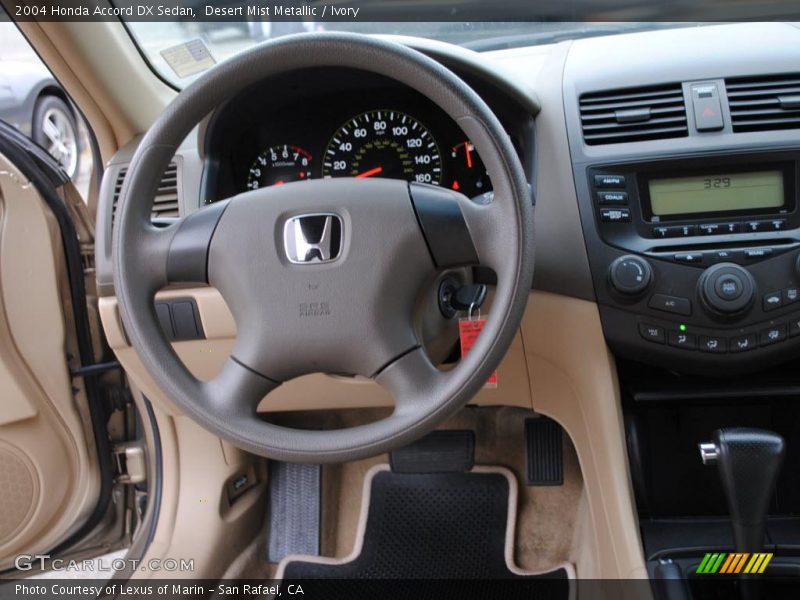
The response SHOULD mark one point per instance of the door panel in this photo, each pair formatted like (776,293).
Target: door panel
(49,474)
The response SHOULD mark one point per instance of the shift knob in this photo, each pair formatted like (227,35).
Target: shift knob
(749,461)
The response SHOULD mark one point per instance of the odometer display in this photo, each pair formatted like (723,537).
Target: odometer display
(383,143)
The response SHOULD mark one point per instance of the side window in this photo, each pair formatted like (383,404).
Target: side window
(32,101)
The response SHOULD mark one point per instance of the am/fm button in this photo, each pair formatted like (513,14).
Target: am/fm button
(609,181)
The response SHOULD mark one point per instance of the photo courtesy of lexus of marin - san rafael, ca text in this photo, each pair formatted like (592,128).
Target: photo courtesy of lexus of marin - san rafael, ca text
(399,299)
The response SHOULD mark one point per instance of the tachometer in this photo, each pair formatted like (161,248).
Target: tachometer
(278,165)
(383,143)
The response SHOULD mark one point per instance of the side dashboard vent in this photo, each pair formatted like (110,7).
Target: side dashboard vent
(765,103)
(633,115)
(165,204)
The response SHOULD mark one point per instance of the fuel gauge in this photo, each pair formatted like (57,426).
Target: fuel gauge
(467,173)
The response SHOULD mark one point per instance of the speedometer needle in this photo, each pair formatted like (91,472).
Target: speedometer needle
(370,173)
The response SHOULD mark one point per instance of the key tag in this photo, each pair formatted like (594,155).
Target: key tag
(469,328)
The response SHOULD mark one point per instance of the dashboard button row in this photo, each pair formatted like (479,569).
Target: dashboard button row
(779,298)
(715,256)
(717,344)
(673,231)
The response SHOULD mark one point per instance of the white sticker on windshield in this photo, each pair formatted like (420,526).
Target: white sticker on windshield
(189,58)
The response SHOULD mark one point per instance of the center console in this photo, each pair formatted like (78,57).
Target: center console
(698,268)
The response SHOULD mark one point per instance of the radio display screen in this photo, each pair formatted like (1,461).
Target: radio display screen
(717,192)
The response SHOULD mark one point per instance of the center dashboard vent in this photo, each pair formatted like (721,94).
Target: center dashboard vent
(764,103)
(165,204)
(633,114)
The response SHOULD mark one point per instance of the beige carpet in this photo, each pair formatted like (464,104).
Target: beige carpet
(546,515)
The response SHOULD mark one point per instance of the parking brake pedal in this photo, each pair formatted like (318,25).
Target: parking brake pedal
(544,452)
(294,510)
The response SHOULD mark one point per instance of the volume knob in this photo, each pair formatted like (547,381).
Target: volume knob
(630,274)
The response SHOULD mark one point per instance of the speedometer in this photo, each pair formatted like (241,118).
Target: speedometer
(383,143)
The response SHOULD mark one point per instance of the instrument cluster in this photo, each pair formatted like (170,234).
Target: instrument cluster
(316,127)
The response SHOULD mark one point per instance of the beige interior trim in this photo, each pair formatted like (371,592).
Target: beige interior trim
(559,366)
(49,466)
(197,521)
(205,358)
(573,381)
(364,514)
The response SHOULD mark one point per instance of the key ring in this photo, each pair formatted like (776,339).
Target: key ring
(469,312)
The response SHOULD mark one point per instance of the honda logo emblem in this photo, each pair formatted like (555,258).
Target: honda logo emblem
(310,239)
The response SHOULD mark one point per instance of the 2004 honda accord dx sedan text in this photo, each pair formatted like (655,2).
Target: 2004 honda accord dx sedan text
(416,300)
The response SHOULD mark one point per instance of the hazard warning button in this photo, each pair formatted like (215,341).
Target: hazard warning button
(706,106)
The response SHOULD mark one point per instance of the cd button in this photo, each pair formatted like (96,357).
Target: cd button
(605,198)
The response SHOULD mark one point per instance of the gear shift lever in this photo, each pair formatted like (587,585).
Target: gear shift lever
(749,461)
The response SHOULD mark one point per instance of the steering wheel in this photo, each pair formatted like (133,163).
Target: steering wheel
(324,275)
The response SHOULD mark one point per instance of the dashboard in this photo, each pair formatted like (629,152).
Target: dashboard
(668,196)
(341,123)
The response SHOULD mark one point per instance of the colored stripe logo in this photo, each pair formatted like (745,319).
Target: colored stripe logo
(732,564)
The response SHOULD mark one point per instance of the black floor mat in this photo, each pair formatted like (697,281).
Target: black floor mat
(430,528)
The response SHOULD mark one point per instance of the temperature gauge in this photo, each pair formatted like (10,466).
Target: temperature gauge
(467,173)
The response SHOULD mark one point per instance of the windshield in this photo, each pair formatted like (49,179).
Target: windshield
(180,51)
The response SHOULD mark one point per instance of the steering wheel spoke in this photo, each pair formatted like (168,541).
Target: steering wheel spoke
(411,379)
(236,390)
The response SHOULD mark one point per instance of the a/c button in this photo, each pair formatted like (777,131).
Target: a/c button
(671,304)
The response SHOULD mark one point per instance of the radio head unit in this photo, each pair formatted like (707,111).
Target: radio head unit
(638,204)
(697,266)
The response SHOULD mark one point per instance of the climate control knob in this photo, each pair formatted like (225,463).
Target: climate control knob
(727,289)
(630,274)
